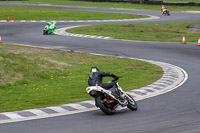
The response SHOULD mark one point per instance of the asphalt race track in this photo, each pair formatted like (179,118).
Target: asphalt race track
(175,112)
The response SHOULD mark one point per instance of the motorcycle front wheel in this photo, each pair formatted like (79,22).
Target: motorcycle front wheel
(103,106)
(132,105)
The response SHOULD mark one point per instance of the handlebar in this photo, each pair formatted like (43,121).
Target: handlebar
(116,78)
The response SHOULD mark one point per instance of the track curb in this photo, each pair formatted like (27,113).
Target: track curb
(173,77)
(62,31)
(78,21)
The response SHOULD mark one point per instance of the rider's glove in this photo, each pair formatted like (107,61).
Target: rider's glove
(116,78)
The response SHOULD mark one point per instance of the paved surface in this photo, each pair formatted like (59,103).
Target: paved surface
(174,112)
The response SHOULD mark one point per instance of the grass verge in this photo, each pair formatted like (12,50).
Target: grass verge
(197,1)
(161,32)
(113,5)
(35,13)
(35,77)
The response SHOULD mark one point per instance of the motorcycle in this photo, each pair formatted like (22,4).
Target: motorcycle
(46,30)
(108,102)
(166,12)
(49,29)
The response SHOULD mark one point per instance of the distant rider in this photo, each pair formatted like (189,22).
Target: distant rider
(51,27)
(96,77)
(163,9)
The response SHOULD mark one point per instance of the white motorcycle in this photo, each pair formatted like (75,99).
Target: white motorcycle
(107,101)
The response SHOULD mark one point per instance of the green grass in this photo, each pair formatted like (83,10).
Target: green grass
(112,5)
(35,77)
(162,32)
(34,13)
(197,1)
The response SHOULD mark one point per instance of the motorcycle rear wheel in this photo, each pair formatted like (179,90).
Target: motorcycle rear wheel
(132,105)
(101,104)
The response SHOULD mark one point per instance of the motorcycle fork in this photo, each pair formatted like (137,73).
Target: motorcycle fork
(128,98)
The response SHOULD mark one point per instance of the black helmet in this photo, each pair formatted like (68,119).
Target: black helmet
(94,69)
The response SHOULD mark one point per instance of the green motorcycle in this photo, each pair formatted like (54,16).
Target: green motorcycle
(49,29)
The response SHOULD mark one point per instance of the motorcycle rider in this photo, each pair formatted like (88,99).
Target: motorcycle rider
(96,77)
(51,27)
(163,8)
(47,25)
